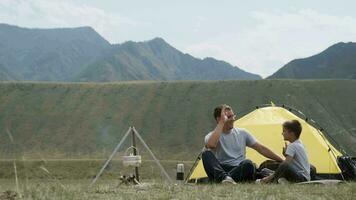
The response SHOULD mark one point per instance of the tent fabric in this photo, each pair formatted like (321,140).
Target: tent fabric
(266,125)
(199,171)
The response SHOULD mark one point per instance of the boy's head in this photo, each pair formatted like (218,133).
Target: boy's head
(291,130)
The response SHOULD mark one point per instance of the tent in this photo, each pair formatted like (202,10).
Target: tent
(265,123)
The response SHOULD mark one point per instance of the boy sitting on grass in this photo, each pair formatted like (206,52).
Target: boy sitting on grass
(296,167)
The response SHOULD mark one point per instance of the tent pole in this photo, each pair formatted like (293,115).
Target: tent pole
(194,165)
(135,153)
(332,151)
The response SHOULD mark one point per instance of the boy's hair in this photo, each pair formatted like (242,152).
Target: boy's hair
(293,126)
(217,110)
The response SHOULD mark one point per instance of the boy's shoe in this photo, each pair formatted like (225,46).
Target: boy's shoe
(228,180)
(258,181)
(282,181)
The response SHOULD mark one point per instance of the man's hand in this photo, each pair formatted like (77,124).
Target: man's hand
(224,118)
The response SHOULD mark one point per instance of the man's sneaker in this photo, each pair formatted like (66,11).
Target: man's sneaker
(228,180)
(282,181)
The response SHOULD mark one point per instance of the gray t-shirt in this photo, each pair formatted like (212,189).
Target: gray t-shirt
(300,161)
(231,147)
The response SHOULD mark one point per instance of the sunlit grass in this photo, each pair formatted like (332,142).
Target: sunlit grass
(111,189)
(70,179)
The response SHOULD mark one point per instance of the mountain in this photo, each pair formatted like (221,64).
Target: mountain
(81,54)
(336,62)
(52,119)
(48,54)
(157,60)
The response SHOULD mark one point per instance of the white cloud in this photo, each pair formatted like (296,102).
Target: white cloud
(199,20)
(276,39)
(53,14)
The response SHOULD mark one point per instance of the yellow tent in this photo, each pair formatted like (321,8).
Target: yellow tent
(266,125)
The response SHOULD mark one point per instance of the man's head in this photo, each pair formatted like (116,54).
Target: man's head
(229,113)
(291,130)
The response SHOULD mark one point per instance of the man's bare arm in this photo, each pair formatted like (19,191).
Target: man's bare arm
(215,136)
(266,152)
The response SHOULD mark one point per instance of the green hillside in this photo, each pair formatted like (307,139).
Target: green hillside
(74,120)
(5,74)
(336,62)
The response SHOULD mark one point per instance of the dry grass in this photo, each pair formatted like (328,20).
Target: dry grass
(70,179)
(110,189)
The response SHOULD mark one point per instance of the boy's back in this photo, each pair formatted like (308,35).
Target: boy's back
(300,161)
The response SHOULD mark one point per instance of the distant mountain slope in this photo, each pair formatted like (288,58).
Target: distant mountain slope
(157,60)
(81,54)
(48,54)
(336,62)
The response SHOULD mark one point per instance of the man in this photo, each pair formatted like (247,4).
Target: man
(225,161)
(296,167)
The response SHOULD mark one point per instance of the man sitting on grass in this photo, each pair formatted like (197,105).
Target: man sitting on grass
(296,167)
(225,161)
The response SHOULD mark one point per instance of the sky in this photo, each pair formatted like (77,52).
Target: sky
(257,36)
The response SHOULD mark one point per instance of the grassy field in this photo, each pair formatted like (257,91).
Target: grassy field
(50,123)
(84,169)
(70,179)
(111,189)
(56,120)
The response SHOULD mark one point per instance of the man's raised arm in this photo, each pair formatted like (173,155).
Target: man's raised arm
(215,136)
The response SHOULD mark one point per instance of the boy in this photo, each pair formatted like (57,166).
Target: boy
(296,167)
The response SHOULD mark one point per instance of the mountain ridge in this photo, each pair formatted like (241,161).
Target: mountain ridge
(81,54)
(336,62)
(48,54)
(157,60)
